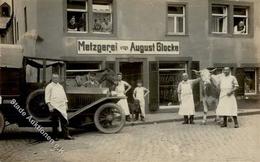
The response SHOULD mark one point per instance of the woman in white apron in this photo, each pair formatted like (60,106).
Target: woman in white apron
(227,102)
(185,96)
(121,91)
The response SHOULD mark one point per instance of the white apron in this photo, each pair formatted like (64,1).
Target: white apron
(140,96)
(227,104)
(187,103)
(56,96)
(120,89)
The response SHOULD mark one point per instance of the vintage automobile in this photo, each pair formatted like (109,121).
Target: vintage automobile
(25,85)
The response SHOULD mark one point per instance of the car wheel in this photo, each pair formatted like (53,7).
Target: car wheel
(109,118)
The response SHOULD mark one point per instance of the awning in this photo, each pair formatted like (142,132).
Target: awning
(39,63)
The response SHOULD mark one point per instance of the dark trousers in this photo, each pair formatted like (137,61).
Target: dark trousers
(234,118)
(56,116)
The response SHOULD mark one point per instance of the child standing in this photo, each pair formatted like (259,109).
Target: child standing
(139,94)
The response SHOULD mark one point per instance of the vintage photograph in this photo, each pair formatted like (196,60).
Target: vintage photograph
(129,81)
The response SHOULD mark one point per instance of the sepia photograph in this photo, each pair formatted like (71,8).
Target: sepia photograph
(129,81)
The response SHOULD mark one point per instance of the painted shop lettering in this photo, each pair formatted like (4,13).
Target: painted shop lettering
(167,48)
(142,48)
(97,47)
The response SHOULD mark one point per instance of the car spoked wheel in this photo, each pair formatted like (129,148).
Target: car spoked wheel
(36,106)
(2,123)
(109,118)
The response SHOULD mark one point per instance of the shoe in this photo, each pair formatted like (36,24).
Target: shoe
(186,120)
(142,119)
(223,125)
(68,137)
(55,139)
(127,118)
(236,126)
(192,119)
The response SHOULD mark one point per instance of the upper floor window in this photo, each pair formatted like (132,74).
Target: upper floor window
(102,17)
(176,19)
(231,18)
(219,20)
(77,13)
(93,16)
(240,18)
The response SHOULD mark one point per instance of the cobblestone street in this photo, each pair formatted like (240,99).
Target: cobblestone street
(144,143)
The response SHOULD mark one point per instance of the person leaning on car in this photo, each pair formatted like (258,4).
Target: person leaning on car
(56,100)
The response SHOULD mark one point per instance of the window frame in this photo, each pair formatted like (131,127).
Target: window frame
(225,14)
(242,16)
(185,19)
(175,16)
(254,70)
(86,11)
(231,5)
(89,19)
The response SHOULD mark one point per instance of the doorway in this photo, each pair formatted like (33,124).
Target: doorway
(132,72)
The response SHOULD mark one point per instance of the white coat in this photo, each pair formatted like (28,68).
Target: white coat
(187,106)
(227,104)
(120,90)
(56,96)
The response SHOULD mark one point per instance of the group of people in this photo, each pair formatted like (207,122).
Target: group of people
(139,94)
(227,106)
(56,99)
(102,25)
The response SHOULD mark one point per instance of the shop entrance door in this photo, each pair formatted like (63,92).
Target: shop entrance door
(132,72)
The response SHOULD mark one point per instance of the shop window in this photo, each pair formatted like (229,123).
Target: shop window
(219,20)
(170,75)
(78,73)
(102,17)
(176,19)
(250,81)
(240,18)
(77,13)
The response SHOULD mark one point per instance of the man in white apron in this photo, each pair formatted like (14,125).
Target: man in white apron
(185,96)
(121,89)
(56,100)
(227,102)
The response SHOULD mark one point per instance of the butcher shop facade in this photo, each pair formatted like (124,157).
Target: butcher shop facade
(153,41)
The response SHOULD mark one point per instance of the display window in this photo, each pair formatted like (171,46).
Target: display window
(170,75)
(250,81)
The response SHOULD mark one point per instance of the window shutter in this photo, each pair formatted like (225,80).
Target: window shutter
(196,88)
(153,86)
(240,75)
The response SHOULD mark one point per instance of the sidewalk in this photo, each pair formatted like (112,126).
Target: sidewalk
(174,117)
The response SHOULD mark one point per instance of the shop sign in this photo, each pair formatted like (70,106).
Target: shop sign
(127,47)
